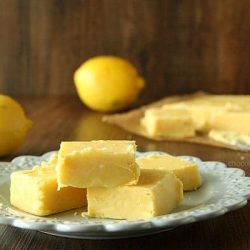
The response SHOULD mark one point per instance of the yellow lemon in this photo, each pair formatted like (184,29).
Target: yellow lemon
(108,83)
(13,125)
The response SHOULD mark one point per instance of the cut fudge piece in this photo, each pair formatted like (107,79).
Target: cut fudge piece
(164,122)
(35,191)
(231,121)
(187,172)
(197,114)
(210,114)
(97,164)
(157,193)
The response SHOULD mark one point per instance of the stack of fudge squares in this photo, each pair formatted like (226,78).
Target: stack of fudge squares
(108,178)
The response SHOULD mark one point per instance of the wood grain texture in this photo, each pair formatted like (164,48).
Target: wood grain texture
(57,119)
(179,46)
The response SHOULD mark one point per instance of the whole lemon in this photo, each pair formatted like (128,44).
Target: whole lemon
(13,125)
(108,83)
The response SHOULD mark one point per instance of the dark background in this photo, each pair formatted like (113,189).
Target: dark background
(178,46)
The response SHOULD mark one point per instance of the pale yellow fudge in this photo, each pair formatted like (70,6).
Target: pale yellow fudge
(205,113)
(164,122)
(97,164)
(157,193)
(231,121)
(229,109)
(35,191)
(187,172)
(202,116)
(202,113)
(230,137)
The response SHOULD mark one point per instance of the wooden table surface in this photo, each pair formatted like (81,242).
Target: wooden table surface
(57,119)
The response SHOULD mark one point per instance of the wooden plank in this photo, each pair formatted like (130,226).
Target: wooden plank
(179,46)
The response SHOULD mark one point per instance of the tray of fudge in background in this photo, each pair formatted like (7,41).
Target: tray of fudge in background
(216,120)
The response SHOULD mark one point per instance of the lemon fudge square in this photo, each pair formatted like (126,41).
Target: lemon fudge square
(100,163)
(158,192)
(188,172)
(35,191)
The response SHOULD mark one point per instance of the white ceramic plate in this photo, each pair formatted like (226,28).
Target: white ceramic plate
(223,189)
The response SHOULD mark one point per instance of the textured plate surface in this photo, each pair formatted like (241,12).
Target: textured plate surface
(223,189)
